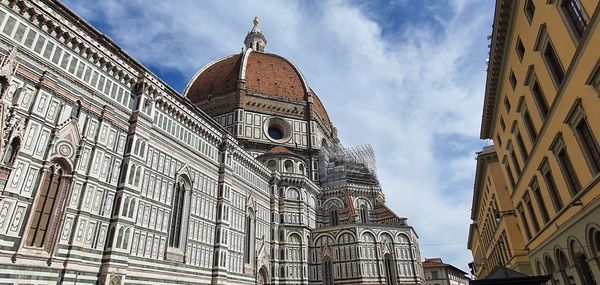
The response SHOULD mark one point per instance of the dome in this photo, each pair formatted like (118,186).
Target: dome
(225,84)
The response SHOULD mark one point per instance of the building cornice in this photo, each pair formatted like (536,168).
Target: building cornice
(503,22)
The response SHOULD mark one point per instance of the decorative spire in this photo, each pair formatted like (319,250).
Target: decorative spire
(255,38)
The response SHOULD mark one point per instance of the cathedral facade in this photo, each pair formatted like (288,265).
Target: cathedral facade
(109,176)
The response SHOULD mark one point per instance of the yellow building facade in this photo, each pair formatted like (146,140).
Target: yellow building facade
(541,109)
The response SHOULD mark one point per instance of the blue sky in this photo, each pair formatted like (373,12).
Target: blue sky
(406,76)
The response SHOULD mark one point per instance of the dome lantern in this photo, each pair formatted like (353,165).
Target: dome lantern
(255,38)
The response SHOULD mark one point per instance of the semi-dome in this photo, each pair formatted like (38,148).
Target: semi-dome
(228,80)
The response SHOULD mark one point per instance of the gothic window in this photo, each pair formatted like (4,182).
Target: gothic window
(177,214)
(131,208)
(12,151)
(249,234)
(333,217)
(390,270)
(327,272)
(40,228)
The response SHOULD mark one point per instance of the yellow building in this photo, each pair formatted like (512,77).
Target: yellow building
(541,110)
(494,241)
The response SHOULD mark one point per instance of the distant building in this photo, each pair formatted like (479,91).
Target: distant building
(536,203)
(439,273)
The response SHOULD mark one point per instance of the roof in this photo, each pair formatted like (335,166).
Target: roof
(257,73)
(437,262)
(503,275)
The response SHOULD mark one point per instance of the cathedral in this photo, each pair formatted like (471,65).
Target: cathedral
(110,176)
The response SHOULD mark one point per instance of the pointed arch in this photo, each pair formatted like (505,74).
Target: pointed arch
(177,213)
(50,197)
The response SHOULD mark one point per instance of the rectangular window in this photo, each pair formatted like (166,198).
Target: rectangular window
(575,16)
(529,10)
(532,216)
(101,82)
(57,54)
(552,189)
(521,212)
(65,60)
(94,78)
(513,81)
(73,65)
(568,171)
(520,48)
(20,32)
(30,37)
(513,157)
(88,72)
(48,50)
(553,63)
(588,145)
(39,44)
(521,146)
(10,26)
(531,131)
(540,99)
(535,188)
(509,174)
(80,69)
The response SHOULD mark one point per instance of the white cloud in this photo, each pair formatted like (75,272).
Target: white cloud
(401,93)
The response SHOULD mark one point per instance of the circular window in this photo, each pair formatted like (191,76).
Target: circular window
(277,130)
(275,133)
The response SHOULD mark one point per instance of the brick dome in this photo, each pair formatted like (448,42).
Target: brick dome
(252,72)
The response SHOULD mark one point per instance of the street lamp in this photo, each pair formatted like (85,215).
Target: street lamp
(499,214)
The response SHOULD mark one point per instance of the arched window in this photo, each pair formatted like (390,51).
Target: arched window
(333,217)
(272,165)
(302,169)
(390,269)
(131,174)
(580,260)
(138,173)
(136,150)
(177,214)
(327,271)
(551,270)
(125,207)
(364,214)
(563,264)
(120,237)
(126,239)
(288,166)
(293,194)
(48,201)
(594,241)
(249,234)
(131,208)
(12,151)
(282,271)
